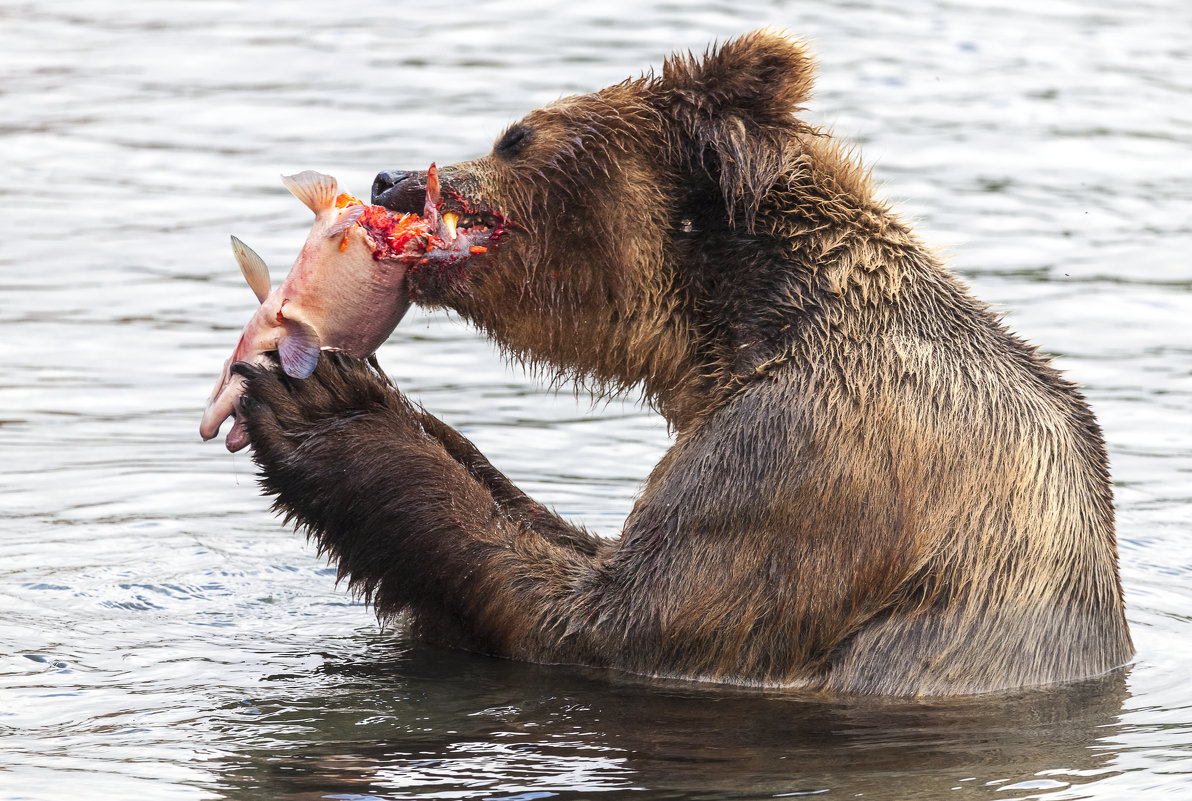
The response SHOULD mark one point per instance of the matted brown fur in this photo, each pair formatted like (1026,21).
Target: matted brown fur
(875,487)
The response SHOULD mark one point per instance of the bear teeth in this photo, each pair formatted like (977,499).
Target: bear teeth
(472,223)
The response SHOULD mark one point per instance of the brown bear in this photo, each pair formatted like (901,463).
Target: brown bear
(875,487)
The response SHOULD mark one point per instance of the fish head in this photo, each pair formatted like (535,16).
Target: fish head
(279,324)
(263,334)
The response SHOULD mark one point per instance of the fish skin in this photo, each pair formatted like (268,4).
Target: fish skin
(336,296)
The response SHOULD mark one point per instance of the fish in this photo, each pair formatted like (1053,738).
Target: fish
(346,291)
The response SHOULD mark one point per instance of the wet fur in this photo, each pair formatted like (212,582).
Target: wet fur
(874,488)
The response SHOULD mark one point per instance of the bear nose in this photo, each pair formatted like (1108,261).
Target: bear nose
(400,190)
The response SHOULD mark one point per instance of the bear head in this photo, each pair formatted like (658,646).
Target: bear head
(612,225)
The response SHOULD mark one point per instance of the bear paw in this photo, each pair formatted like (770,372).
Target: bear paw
(281,412)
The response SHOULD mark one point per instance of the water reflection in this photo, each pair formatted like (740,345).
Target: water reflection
(423,721)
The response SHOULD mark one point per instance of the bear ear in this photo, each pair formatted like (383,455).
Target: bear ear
(764,75)
(739,101)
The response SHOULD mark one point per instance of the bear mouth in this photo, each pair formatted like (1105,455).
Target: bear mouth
(459,228)
(461,233)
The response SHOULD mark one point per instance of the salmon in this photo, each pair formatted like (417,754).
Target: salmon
(346,291)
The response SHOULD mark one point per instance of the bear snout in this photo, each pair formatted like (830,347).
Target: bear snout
(400,190)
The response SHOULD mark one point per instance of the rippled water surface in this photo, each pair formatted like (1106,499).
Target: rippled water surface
(163,636)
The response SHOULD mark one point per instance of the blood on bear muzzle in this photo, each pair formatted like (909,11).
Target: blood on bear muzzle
(462,228)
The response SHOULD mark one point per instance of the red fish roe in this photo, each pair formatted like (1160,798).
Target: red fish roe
(395,233)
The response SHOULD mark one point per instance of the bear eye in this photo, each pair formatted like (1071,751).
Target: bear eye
(513,142)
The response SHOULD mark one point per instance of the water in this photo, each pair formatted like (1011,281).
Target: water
(163,636)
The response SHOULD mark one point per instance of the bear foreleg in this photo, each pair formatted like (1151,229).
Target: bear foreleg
(414,515)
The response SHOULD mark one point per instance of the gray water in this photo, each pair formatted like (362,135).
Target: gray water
(162,635)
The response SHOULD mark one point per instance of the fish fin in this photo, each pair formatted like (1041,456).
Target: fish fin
(434,198)
(347,218)
(433,195)
(299,348)
(314,189)
(255,271)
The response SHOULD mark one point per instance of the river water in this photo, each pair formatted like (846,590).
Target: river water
(163,636)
